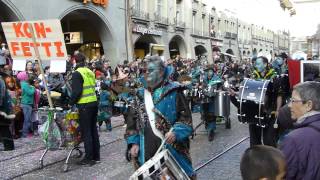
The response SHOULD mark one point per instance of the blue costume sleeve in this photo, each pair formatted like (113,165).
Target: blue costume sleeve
(133,139)
(182,131)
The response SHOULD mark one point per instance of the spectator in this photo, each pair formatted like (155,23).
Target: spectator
(36,68)
(2,56)
(27,98)
(15,93)
(262,162)
(301,146)
(5,108)
(35,118)
(29,69)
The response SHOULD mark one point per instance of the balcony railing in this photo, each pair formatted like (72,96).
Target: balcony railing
(234,35)
(228,35)
(138,14)
(200,33)
(160,19)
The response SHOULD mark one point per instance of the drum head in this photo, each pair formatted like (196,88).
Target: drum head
(252,101)
(252,90)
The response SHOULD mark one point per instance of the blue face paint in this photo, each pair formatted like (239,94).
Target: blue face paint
(279,61)
(154,75)
(260,65)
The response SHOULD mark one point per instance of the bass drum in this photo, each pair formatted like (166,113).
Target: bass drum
(252,96)
(222,104)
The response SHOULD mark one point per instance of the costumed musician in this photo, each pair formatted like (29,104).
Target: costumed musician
(211,81)
(172,122)
(266,135)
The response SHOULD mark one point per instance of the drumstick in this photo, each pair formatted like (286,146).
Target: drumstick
(163,142)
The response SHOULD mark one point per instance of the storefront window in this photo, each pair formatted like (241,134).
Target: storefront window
(92,50)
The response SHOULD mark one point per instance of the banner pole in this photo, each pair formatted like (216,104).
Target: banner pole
(36,50)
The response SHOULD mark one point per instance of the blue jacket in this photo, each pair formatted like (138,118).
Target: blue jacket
(301,148)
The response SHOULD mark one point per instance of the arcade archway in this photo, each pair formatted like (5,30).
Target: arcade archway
(200,51)
(142,46)
(95,34)
(6,15)
(230,51)
(177,46)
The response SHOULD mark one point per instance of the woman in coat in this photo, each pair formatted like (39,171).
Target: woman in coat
(301,146)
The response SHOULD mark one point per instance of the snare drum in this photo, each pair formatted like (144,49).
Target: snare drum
(222,104)
(209,91)
(252,101)
(119,107)
(119,104)
(161,166)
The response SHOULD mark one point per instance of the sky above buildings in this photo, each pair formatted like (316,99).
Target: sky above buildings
(269,14)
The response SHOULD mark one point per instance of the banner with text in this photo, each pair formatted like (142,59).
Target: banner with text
(23,36)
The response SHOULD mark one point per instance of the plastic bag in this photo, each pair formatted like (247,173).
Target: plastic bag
(50,133)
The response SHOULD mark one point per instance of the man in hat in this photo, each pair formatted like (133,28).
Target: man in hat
(172,120)
(83,95)
(210,80)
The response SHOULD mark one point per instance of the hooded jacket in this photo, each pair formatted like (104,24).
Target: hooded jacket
(301,148)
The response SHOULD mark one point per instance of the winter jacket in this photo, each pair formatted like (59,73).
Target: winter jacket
(28,91)
(301,148)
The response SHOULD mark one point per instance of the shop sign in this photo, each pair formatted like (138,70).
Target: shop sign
(216,43)
(143,30)
(103,3)
(35,39)
(73,38)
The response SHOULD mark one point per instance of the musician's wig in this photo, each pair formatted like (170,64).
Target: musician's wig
(261,162)
(309,90)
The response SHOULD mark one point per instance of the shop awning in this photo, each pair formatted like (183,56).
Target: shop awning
(158,47)
(227,54)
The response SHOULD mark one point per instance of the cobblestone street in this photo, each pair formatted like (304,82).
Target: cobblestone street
(23,163)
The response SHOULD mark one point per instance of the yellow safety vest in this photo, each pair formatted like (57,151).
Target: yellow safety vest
(88,92)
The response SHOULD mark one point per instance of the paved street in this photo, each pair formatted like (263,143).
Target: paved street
(23,162)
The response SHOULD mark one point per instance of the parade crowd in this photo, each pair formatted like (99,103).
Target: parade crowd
(157,99)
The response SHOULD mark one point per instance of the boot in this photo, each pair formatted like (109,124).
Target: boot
(211,135)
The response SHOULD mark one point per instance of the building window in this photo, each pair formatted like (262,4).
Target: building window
(179,12)
(202,25)
(159,7)
(193,21)
(137,5)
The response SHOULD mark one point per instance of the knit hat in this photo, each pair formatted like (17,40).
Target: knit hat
(22,76)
